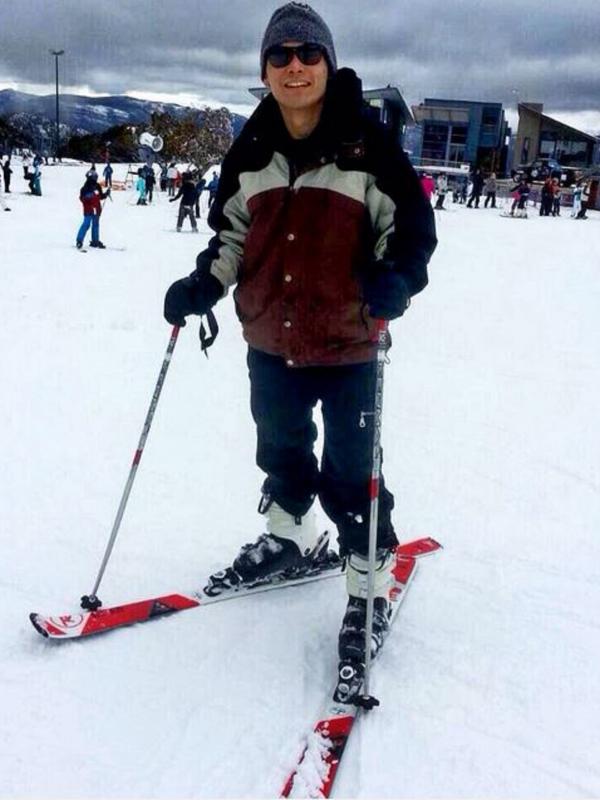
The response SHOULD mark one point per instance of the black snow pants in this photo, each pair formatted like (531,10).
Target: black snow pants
(282,402)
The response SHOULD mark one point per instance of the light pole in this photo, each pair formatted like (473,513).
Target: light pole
(56,54)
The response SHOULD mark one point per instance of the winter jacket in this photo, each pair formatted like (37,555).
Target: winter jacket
(491,185)
(428,185)
(90,196)
(521,190)
(477,180)
(187,192)
(300,225)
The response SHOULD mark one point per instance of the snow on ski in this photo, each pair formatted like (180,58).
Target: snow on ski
(319,761)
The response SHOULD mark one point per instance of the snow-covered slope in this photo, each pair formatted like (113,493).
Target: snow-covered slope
(488,686)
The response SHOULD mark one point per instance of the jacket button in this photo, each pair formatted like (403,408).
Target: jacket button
(288,279)
(287,324)
(290,237)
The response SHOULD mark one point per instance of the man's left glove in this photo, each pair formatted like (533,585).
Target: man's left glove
(345,104)
(195,294)
(385,292)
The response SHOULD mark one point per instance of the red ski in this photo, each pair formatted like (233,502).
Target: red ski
(317,766)
(73,625)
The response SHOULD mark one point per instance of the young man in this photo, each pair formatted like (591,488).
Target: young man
(322,223)
(188,194)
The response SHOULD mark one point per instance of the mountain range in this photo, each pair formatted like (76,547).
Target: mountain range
(82,115)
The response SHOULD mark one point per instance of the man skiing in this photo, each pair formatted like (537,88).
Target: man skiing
(322,223)
(188,194)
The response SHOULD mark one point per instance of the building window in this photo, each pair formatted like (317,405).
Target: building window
(525,150)
(568,152)
(435,141)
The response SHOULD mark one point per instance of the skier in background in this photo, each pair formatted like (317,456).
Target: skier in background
(140,187)
(107,172)
(163,178)
(150,183)
(188,195)
(547,197)
(428,186)
(491,187)
(35,177)
(2,201)
(520,194)
(91,196)
(7,172)
(577,192)
(476,190)
(171,178)
(586,192)
(26,163)
(213,187)
(316,262)
(441,188)
(556,196)
(200,186)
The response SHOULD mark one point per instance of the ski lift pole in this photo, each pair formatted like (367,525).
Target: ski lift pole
(91,602)
(366,701)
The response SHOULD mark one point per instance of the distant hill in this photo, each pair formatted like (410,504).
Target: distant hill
(35,114)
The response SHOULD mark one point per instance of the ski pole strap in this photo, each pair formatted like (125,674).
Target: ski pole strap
(213,327)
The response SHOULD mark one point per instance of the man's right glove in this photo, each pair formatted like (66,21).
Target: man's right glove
(195,294)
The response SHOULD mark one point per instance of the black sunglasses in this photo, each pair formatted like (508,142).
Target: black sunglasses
(309,54)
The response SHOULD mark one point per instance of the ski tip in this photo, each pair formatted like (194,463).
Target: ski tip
(35,621)
(419,547)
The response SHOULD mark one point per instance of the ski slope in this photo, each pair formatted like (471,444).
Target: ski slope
(489,684)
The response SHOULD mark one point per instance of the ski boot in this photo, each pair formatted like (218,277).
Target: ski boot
(290,549)
(98,244)
(351,641)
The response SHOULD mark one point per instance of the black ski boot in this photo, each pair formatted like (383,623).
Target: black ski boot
(290,550)
(351,640)
(351,644)
(98,244)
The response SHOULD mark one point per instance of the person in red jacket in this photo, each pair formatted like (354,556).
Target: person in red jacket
(90,195)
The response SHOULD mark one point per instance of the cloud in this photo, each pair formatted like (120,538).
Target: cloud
(503,51)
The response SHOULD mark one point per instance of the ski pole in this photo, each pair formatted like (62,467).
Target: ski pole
(366,701)
(91,602)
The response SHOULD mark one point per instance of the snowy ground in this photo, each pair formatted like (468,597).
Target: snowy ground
(489,684)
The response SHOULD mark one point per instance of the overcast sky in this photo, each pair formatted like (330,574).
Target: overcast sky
(206,51)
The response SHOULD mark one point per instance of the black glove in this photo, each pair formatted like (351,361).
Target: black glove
(385,292)
(345,101)
(195,294)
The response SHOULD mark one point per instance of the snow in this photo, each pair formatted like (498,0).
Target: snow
(488,685)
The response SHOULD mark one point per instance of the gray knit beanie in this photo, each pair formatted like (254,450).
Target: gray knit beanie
(297,22)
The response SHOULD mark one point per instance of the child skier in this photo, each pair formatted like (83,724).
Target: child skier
(90,195)
(140,187)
